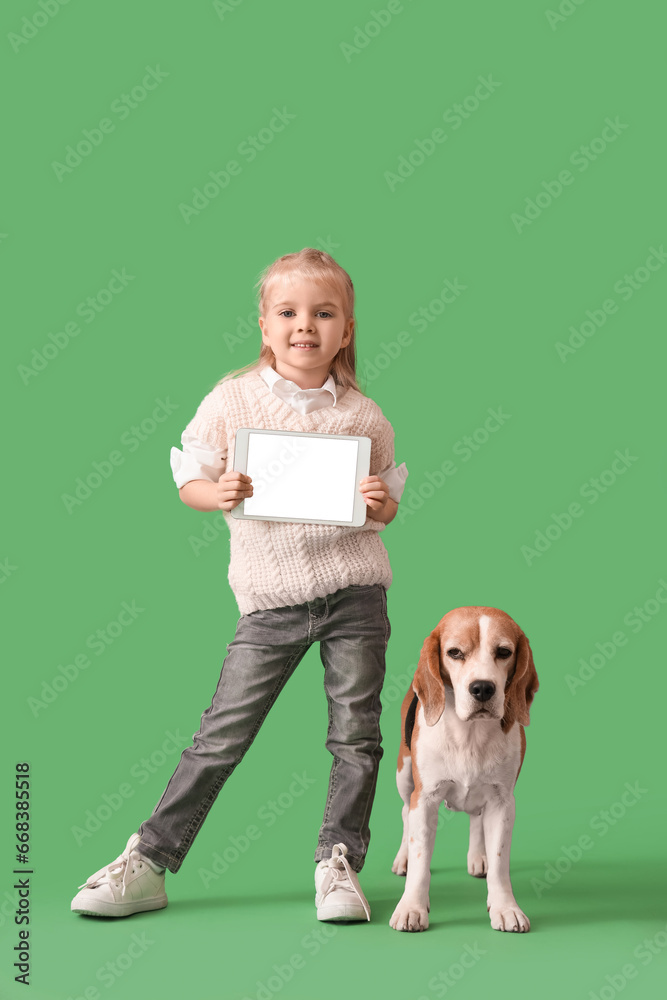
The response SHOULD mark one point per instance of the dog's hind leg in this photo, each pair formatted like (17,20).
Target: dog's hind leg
(404,779)
(405,785)
(477,863)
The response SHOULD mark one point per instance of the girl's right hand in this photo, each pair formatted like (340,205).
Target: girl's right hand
(233,487)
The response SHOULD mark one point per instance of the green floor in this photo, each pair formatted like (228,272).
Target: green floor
(253,933)
(587,869)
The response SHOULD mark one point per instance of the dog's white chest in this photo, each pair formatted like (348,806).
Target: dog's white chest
(464,798)
(466,764)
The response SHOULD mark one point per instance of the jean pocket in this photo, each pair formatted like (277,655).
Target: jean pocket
(267,614)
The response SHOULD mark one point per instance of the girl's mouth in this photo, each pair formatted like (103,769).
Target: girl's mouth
(304,346)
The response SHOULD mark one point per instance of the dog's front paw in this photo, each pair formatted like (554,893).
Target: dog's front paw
(508,917)
(409,916)
(477,865)
(400,865)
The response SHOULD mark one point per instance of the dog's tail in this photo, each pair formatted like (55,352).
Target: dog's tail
(410,721)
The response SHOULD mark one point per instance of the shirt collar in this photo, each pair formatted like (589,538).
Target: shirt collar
(272,378)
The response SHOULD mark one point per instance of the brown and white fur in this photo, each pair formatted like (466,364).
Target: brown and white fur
(475,679)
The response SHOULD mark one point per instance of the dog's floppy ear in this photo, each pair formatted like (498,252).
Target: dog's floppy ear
(522,688)
(428,682)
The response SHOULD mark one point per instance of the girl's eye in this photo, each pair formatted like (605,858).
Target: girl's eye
(322,312)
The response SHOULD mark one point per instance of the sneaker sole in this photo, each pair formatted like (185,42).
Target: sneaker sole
(341,914)
(122,909)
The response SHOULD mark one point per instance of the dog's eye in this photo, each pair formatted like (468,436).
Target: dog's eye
(503,653)
(455,653)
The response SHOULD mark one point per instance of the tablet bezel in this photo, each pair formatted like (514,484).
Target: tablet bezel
(362,469)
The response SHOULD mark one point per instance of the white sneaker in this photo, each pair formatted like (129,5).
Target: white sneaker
(338,895)
(128,885)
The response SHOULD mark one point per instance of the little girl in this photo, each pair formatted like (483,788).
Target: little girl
(294,584)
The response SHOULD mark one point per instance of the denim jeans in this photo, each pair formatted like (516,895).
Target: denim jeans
(353,630)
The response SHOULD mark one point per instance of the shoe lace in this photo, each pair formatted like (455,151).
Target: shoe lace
(118,870)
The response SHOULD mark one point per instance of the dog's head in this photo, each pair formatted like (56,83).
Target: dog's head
(486,659)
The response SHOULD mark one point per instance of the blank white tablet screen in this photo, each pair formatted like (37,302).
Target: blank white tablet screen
(301,477)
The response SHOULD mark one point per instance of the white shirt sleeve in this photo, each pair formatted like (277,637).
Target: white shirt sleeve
(395,479)
(198,460)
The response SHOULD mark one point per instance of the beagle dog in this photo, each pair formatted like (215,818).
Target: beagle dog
(475,679)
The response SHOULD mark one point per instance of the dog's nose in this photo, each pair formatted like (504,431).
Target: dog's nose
(482,690)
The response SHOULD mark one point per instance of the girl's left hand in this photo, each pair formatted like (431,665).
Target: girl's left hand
(375,492)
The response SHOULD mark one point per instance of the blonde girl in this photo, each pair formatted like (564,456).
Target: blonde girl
(295,584)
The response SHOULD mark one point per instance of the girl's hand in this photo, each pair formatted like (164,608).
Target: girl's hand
(379,505)
(375,491)
(233,487)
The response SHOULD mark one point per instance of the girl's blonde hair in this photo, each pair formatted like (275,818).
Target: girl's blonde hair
(309,265)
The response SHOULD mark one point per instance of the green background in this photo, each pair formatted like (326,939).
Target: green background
(171,333)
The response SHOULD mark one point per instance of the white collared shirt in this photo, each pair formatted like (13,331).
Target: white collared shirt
(301,400)
(200,460)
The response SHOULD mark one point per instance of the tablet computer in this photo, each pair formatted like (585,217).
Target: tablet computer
(307,478)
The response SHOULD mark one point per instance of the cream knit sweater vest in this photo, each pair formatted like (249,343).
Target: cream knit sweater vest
(276,563)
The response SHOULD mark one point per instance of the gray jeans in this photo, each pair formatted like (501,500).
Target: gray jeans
(353,630)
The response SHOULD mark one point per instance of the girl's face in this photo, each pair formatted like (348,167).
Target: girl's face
(305,327)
